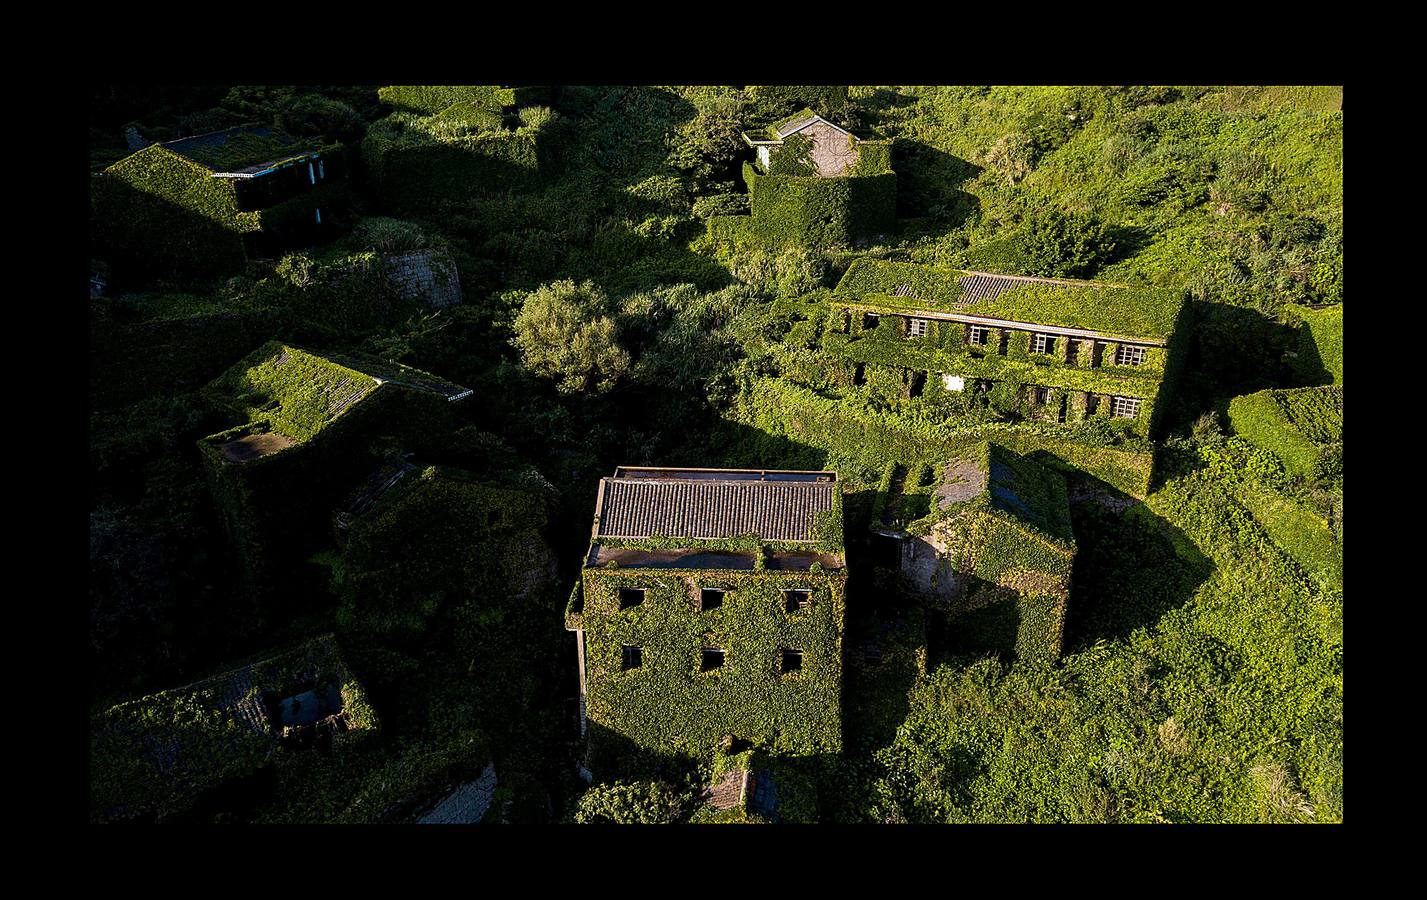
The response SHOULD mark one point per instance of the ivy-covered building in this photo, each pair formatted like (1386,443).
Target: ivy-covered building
(157,756)
(450,145)
(988,543)
(836,191)
(204,205)
(711,606)
(306,428)
(1065,350)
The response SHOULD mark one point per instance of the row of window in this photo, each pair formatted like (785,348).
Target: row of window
(980,335)
(712,658)
(712,598)
(1120,407)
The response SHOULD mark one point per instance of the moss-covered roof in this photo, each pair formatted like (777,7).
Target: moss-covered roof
(244,149)
(1111,309)
(158,753)
(994,478)
(290,393)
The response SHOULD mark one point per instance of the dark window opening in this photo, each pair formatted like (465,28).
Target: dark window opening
(1042,343)
(859,375)
(1072,352)
(711,658)
(917,385)
(790,661)
(631,657)
(797,600)
(1005,341)
(492,517)
(872,654)
(870,320)
(710,598)
(629,597)
(1042,396)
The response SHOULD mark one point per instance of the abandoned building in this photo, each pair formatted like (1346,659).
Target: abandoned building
(987,542)
(208,203)
(712,604)
(158,755)
(303,426)
(1069,349)
(834,148)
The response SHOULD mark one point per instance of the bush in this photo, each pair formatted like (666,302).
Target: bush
(628,803)
(1057,244)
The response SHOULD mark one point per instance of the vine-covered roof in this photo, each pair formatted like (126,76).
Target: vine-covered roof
(241,150)
(1112,309)
(1016,486)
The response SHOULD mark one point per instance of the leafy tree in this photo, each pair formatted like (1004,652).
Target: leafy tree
(710,146)
(795,157)
(563,332)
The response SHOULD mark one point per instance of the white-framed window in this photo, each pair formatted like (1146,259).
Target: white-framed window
(1125,407)
(1129,356)
(1042,396)
(311,173)
(1042,343)
(977,335)
(916,327)
(318,213)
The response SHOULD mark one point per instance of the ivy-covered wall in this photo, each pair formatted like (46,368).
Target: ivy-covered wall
(416,164)
(866,438)
(809,211)
(157,214)
(445,542)
(668,705)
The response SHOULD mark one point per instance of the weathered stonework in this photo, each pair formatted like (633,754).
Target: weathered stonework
(833,152)
(426,274)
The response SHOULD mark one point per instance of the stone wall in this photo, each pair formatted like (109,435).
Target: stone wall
(429,275)
(832,152)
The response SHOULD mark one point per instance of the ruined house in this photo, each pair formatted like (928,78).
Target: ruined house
(834,148)
(159,755)
(711,605)
(987,542)
(305,427)
(1069,350)
(205,204)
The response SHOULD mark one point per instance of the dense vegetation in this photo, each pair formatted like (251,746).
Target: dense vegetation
(607,322)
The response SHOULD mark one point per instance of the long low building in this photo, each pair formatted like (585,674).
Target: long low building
(1074,349)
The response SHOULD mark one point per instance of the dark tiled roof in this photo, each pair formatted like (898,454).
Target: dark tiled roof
(980,287)
(714,507)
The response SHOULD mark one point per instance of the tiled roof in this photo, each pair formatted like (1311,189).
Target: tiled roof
(714,506)
(977,287)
